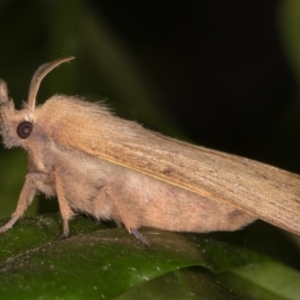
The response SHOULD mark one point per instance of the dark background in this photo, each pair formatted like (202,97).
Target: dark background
(219,64)
(215,73)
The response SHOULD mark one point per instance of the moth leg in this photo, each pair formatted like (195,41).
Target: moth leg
(64,207)
(141,237)
(25,199)
(130,221)
(119,224)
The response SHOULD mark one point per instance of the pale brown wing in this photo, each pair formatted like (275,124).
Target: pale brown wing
(267,192)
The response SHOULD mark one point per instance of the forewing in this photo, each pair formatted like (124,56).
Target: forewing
(267,192)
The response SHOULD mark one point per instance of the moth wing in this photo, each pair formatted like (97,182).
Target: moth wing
(267,192)
(264,191)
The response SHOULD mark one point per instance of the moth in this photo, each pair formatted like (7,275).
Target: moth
(114,169)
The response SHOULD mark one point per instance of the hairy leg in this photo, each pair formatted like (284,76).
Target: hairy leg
(65,209)
(25,199)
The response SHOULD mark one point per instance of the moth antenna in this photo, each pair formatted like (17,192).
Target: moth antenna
(3,93)
(39,74)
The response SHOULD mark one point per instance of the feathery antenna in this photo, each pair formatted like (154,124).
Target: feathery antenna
(40,73)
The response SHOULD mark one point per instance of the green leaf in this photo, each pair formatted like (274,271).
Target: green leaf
(188,283)
(100,262)
(268,280)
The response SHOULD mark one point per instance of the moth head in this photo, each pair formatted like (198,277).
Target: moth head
(17,126)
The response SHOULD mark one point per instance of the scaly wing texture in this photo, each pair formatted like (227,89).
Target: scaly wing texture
(267,192)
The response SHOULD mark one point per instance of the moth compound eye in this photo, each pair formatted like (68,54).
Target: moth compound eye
(24,129)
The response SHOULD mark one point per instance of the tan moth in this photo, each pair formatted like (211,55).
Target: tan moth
(114,169)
